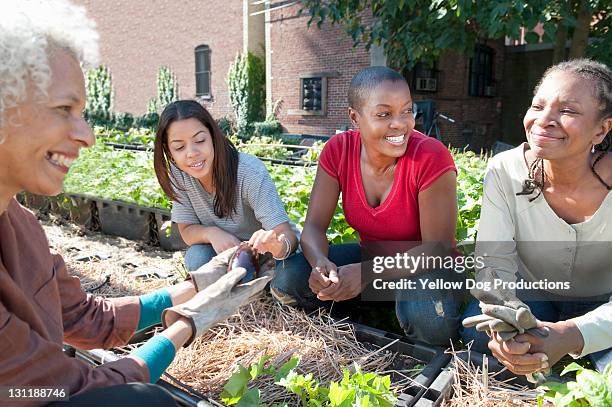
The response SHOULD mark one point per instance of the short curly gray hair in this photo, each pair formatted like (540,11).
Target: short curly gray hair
(28,29)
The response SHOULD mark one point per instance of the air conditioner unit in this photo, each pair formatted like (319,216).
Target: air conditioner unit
(489,90)
(427,84)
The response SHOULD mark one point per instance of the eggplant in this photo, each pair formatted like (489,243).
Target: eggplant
(245,256)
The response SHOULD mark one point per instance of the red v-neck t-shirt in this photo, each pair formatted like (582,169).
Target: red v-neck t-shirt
(397,217)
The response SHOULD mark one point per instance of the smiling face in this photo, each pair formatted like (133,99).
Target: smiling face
(564,118)
(385,119)
(191,147)
(43,138)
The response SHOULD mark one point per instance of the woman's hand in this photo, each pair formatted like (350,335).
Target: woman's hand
(222,240)
(349,284)
(563,337)
(322,275)
(516,357)
(268,241)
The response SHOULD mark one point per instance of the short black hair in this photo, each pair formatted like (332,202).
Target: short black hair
(366,80)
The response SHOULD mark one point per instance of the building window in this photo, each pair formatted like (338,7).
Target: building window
(202,71)
(482,80)
(425,78)
(313,94)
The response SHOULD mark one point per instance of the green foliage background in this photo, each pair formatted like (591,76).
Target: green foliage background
(128,176)
(247,91)
(167,90)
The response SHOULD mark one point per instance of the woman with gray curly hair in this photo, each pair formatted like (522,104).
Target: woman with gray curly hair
(43,46)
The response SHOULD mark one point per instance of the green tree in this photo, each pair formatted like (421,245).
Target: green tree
(247,91)
(414,31)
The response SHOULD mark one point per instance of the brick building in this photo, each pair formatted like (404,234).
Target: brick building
(198,40)
(296,53)
(137,37)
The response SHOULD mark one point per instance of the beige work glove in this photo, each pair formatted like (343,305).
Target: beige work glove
(213,270)
(218,301)
(508,322)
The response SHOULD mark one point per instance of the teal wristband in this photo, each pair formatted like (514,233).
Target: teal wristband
(151,307)
(158,352)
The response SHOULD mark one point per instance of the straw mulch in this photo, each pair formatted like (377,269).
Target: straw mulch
(113,259)
(260,328)
(474,386)
(266,328)
(263,327)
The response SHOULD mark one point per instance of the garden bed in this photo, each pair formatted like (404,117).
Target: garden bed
(200,371)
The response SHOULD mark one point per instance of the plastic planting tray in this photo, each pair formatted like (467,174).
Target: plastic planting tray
(73,207)
(442,387)
(121,219)
(168,241)
(433,358)
(38,202)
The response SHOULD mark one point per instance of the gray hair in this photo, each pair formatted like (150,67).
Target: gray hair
(29,29)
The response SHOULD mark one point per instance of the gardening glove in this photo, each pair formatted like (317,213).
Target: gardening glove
(218,301)
(213,270)
(506,321)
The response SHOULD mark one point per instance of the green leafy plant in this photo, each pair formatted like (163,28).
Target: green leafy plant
(591,388)
(355,389)
(167,90)
(226,125)
(136,136)
(471,169)
(270,127)
(265,146)
(147,120)
(122,175)
(294,185)
(247,91)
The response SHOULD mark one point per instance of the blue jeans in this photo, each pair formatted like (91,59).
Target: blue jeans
(430,316)
(549,311)
(198,255)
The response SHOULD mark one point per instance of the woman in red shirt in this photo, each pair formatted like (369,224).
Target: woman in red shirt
(397,185)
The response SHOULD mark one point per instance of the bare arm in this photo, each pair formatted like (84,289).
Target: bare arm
(323,201)
(217,237)
(438,209)
(194,234)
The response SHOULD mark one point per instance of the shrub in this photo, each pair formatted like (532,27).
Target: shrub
(167,90)
(226,125)
(147,120)
(247,89)
(267,128)
(99,93)
(123,121)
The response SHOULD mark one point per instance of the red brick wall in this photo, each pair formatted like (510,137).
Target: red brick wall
(137,37)
(480,114)
(296,50)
